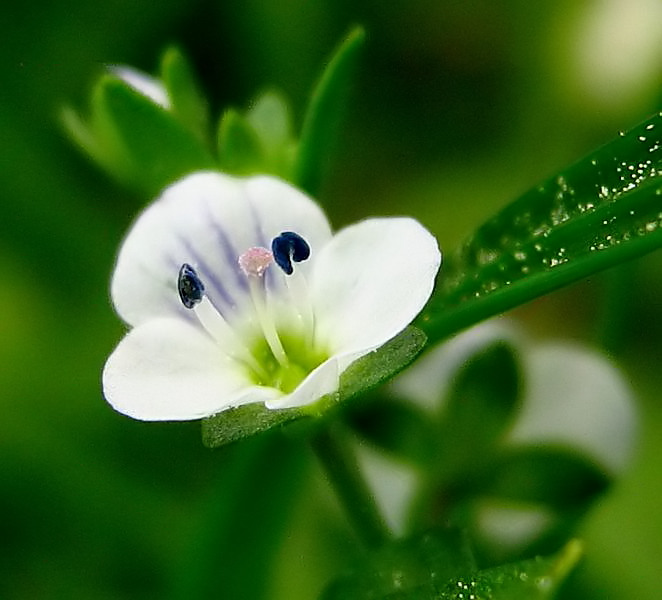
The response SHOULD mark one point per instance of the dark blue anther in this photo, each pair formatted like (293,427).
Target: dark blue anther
(288,247)
(189,285)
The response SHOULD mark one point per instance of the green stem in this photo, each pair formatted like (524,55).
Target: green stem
(352,490)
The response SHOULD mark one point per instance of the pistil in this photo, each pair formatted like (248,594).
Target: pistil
(254,263)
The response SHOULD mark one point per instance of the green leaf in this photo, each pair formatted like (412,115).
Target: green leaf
(151,148)
(435,567)
(536,579)
(324,113)
(481,404)
(556,477)
(88,142)
(398,427)
(406,567)
(600,212)
(364,374)
(188,103)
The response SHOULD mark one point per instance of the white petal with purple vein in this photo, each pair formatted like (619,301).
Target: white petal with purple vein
(207,220)
(168,370)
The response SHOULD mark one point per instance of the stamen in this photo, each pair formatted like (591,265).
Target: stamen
(254,263)
(192,294)
(288,247)
(189,285)
(298,289)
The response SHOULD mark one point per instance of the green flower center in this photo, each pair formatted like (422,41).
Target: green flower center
(301,360)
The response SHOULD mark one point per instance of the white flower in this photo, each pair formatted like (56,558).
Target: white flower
(217,321)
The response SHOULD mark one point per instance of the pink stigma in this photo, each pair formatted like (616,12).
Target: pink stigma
(255,261)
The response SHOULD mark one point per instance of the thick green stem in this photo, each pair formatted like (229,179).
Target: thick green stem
(352,490)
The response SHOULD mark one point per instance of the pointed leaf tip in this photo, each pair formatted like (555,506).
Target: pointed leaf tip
(325,111)
(595,214)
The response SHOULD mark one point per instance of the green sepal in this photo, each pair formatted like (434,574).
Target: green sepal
(324,113)
(188,103)
(364,374)
(377,367)
(156,149)
(259,140)
(600,212)
(99,148)
(239,148)
(137,141)
(270,118)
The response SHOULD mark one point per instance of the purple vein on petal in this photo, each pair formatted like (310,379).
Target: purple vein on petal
(230,254)
(209,277)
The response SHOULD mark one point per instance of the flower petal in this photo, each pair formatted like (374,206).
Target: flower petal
(370,282)
(207,220)
(168,370)
(575,397)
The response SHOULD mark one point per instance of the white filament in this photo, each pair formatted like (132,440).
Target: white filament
(219,329)
(298,289)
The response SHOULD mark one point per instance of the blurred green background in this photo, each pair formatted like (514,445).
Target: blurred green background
(458,107)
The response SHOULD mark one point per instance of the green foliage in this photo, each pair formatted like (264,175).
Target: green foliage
(598,213)
(398,427)
(325,110)
(409,568)
(258,141)
(480,406)
(362,376)
(236,524)
(535,579)
(463,450)
(147,146)
(239,149)
(136,140)
(438,566)
(558,477)
(188,104)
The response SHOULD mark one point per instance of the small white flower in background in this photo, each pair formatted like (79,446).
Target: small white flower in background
(237,292)
(143,83)
(573,396)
